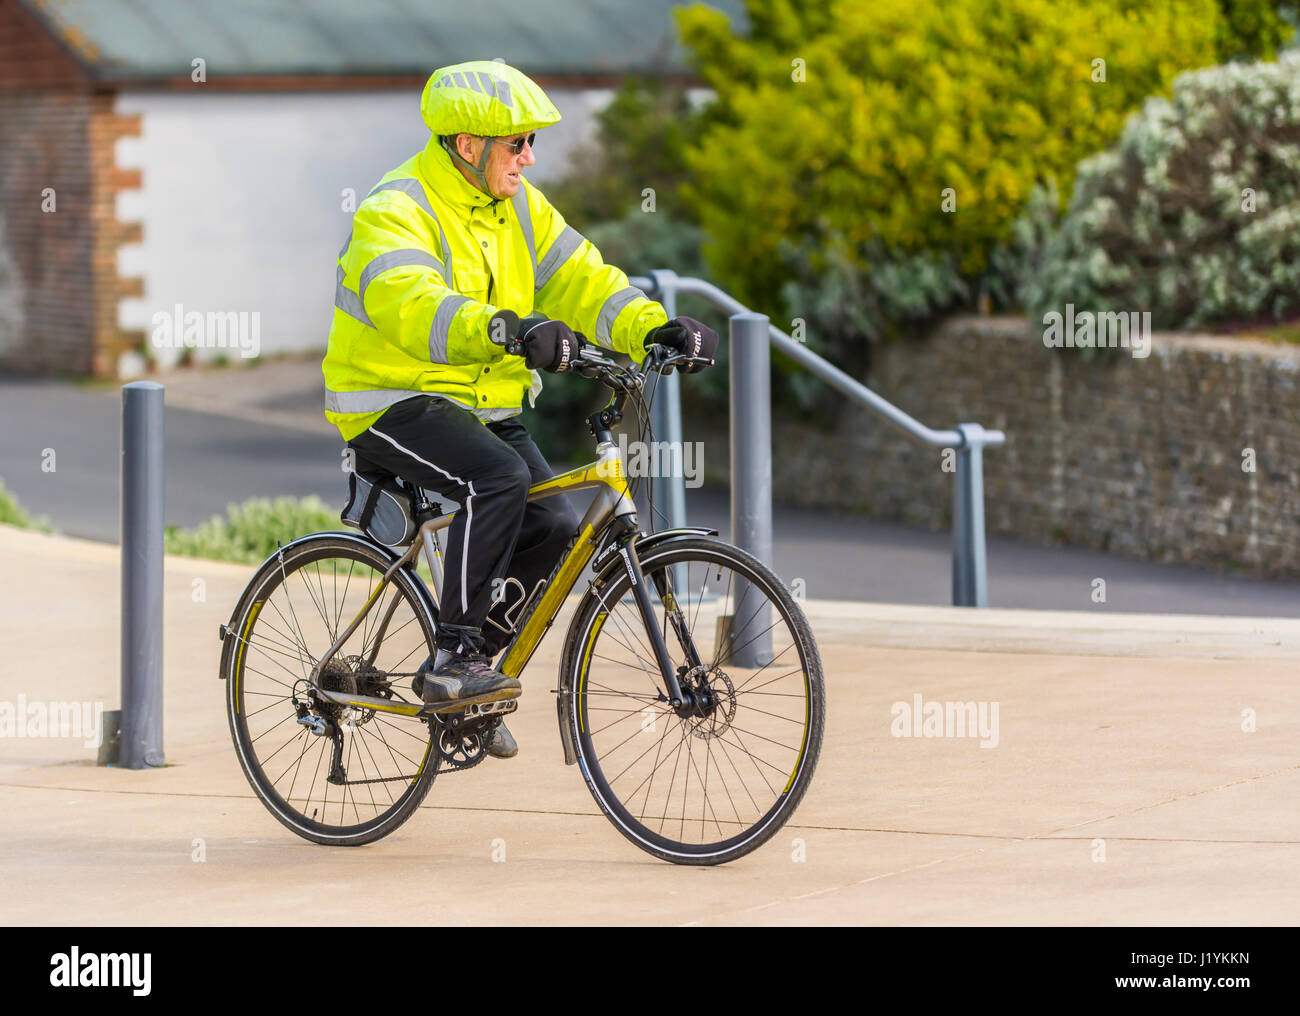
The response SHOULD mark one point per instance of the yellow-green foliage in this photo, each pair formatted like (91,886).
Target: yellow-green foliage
(251,531)
(13,514)
(903,99)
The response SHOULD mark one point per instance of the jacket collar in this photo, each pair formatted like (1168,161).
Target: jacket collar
(446,181)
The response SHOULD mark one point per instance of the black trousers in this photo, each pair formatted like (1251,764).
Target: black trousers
(487,470)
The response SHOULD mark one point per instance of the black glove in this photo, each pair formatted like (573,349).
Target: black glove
(550,345)
(685,335)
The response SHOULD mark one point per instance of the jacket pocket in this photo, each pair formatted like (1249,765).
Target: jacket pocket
(471,282)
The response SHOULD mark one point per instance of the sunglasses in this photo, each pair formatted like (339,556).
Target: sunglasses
(517,146)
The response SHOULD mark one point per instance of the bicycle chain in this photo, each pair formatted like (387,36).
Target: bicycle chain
(437,727)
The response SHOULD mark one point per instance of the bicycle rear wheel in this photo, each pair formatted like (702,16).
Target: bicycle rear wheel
(709,787)
(290,614)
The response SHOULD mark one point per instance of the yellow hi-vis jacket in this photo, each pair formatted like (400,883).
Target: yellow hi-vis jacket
(429,260)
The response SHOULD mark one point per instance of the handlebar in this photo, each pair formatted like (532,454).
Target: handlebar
(592,362)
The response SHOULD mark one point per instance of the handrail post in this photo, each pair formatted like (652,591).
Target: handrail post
(969,571)
(670,491)
(751,481)
(142,575)
(969,564)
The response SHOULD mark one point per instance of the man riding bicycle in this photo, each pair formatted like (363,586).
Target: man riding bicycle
(416,378)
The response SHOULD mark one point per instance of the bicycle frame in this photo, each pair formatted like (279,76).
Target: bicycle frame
(612,506)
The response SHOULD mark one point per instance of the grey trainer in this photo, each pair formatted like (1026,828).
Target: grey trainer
(464,679)
(502,744)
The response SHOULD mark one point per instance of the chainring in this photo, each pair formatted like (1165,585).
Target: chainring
(464,748)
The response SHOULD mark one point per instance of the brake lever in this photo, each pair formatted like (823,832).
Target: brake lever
(589,354)
(682,360)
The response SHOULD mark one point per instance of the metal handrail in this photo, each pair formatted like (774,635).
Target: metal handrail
(969,570)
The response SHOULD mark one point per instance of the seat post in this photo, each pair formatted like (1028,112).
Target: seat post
(426,511)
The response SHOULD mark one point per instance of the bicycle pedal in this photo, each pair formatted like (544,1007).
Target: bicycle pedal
(473,711)
(482,709)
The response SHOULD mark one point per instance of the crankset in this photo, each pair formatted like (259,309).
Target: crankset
(462,738)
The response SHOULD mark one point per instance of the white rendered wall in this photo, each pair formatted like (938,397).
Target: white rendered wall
(242,198)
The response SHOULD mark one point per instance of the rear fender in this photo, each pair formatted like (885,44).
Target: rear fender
(227,633)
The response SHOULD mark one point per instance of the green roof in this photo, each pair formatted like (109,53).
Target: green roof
(147,39)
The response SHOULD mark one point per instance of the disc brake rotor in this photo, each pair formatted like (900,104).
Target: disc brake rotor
(718,720)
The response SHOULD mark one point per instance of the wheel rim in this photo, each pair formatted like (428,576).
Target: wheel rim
(705,784)
(298,610)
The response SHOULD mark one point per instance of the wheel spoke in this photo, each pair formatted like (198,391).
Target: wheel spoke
(708,790)
(307,602)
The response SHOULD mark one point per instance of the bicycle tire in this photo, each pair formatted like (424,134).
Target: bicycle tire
(582,651)
(257,637)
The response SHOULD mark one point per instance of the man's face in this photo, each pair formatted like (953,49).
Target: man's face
(503,167)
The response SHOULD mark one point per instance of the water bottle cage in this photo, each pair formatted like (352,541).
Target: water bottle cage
(517,611)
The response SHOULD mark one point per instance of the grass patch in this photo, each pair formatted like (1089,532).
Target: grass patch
(13,514)
(1285,333)
(250,532)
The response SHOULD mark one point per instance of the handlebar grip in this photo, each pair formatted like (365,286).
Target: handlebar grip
(514,346)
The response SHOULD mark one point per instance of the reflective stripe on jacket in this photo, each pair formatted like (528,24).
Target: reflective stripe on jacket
(429,260)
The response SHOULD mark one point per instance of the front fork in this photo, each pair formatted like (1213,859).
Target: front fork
(662,580)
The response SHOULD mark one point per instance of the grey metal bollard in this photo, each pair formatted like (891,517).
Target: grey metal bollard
(751,482)
(969,573)
(142,575)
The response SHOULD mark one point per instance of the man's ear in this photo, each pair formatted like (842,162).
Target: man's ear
(465,146)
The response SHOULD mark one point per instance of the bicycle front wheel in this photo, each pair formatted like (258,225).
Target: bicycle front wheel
(713,784)
(336,775)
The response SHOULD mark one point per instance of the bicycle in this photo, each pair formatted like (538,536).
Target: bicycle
(669,675)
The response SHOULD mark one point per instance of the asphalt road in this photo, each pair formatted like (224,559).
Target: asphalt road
(213,460)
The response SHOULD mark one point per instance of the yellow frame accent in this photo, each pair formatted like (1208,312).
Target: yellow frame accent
(540,621)
(607,473)
(243,645)
(586,659)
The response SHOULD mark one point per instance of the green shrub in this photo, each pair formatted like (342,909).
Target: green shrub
(638,242)
(1194,215)
(13,514)
(251,531)
(641,241)
(558,424)
(850,298)
(864,163)
(1252,29)
(900,102)
(643,135)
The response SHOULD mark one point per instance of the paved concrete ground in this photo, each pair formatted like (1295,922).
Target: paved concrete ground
(1123,788)
(239,433)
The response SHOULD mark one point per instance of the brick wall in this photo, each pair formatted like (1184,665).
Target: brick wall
(1142,457)
(109,339)
(58,273)
(45,278)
